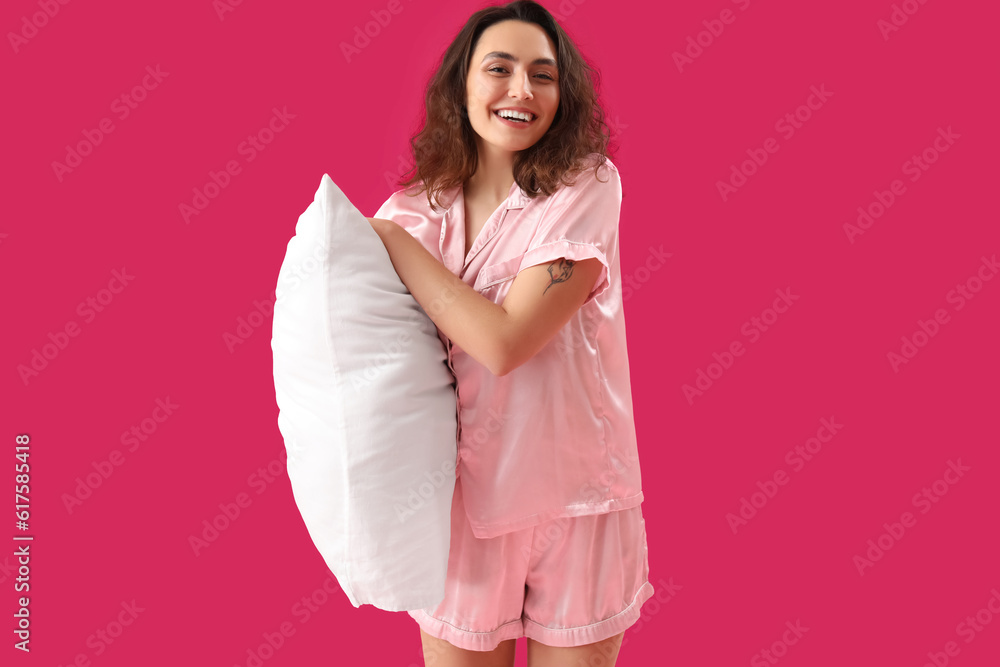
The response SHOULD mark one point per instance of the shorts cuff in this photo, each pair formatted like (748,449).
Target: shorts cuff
(467,639)
(595,632)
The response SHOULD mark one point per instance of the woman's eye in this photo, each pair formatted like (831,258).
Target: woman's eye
(496,68)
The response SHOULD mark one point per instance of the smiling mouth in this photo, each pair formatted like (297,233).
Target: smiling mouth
(516,120)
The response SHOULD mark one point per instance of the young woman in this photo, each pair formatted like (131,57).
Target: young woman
(513,253)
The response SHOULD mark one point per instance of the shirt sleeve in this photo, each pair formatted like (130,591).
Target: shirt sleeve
(581,222)
(411,213)
(388,208)
(402,210)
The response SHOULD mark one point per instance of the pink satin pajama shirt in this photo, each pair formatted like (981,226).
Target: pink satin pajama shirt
(555,437)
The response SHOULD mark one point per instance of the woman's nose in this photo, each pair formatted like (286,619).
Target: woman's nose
(521,86)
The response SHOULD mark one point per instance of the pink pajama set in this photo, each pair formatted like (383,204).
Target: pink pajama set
(548,539)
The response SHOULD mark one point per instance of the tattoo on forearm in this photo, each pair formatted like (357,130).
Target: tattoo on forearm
(560,270)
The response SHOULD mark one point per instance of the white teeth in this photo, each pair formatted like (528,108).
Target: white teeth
(514,114)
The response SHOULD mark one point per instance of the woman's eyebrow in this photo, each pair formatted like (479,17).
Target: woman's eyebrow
(507,56)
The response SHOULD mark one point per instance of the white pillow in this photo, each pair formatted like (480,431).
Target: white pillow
(367,410)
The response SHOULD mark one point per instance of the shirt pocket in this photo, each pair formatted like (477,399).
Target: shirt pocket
(492,277)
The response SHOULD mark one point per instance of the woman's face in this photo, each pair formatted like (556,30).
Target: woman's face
(513,67)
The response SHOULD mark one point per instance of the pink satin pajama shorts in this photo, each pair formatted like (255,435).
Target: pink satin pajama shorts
(565,582)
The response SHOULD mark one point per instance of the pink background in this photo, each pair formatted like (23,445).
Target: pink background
(723,598)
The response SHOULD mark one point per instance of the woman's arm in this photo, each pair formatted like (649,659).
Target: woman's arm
(540,301)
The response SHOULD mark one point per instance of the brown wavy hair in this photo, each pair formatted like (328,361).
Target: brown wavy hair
(444,150)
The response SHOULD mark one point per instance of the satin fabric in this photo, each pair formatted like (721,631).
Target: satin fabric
(555,437)
(566,582)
